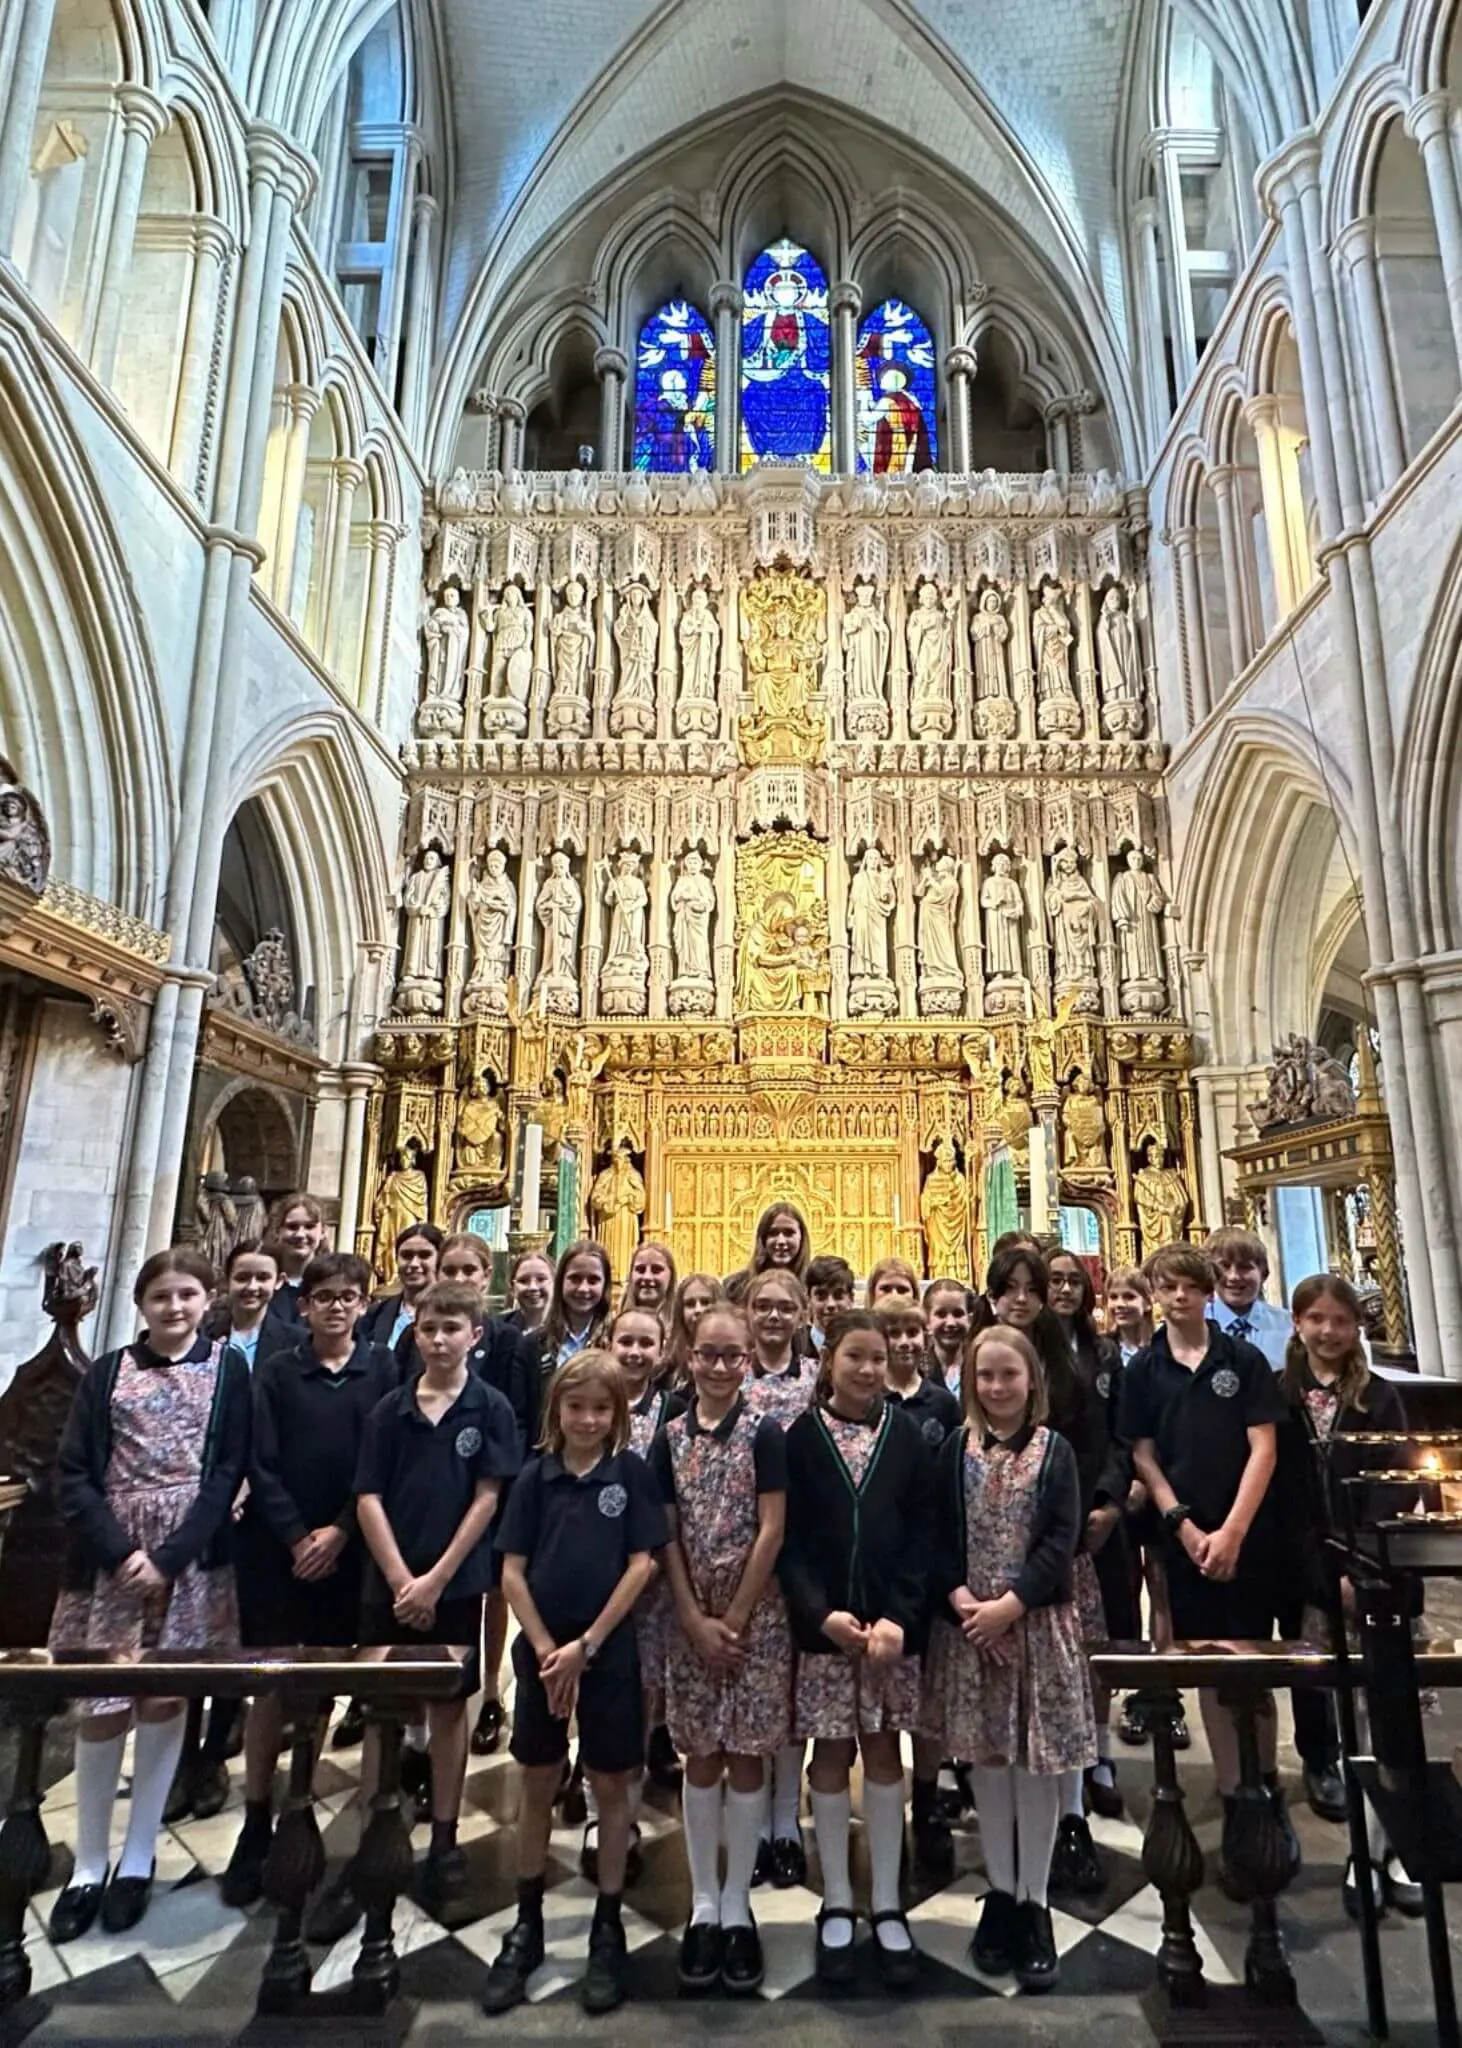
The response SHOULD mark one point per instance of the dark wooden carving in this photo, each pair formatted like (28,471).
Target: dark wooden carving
(33,1411)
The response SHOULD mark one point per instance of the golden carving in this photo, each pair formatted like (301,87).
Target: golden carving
(402,1200)
(616,1203)
(1161,1197)
(944,1208)
(781,918)
(105,919)
(784,626)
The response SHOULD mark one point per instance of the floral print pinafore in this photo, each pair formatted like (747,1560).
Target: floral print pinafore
(655,1608)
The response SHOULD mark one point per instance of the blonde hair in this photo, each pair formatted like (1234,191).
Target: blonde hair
(881,1272)
(776,1276)
(1037,1406)
(585,1369)
(677,1350)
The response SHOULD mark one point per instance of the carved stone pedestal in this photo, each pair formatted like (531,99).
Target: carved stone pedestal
(870,997)
(940,996)
(568,717)
(505,716)
(1143,998)
(622,996)
(1005,996)
(692,997)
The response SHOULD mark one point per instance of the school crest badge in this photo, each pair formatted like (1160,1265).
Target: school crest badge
(469,1442)
(613,1500)
(1225,1383)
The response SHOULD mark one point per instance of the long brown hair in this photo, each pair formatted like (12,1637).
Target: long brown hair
(1354,1376)
(760,1263)
(626,1299)
(556,1322)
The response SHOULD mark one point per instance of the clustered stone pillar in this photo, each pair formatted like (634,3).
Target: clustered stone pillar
(726,312)
(1155,393)
(846,301)
(961,366)
(425,213)
(17,127)
(1356,247)
(512,418)
(1429,122)
(611,367)
(143,117)
(1227,483)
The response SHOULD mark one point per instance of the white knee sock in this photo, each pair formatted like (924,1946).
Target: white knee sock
(995,1805)
(1037,1814)
(1073,1797)
(156,1748)
(700,1807)
(743,1826)
(787,1791)
(831,1814)
(883,1822)
(98,1767)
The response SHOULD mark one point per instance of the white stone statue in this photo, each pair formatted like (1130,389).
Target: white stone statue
(1075,914)
(941,977)
(559,908)
(865,662)
(990,633)
(1138,904)
(626,969)
(930,634)
(492,909)
(425,900)
(1121,671)
(572,638)
(446,633)
(871,901)
(1057,710)
(700,641)
(1004,908)
(692,906)
(510,676)
(637,636)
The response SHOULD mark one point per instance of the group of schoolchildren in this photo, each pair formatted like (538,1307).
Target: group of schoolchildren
(748,1533)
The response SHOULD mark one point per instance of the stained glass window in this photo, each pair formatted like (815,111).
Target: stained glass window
(675,391)
(896,397)
(786,359)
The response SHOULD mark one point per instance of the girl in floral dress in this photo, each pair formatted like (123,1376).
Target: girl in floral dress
(650,1281)
(723,1475)
(1006,1682)
(860,1481)
(694,1295)
(155,1447)
(637,1340)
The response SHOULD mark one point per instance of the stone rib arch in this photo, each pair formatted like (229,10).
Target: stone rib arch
(632,275)
(1429,771)
(1350,189)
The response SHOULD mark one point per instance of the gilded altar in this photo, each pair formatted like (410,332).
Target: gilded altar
(793,840)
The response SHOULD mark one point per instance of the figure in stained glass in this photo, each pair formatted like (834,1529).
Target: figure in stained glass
(897,401)
(675,391)
(786,360)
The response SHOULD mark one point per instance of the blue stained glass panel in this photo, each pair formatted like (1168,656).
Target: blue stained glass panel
(786,360)
(675,391)
(896,396)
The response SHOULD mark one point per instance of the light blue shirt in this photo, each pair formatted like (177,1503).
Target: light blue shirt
(247,1343)
(571,1345)
(405,1317)
(1268,1328)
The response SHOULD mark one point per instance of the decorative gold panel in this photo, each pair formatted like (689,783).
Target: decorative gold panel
(716,1192)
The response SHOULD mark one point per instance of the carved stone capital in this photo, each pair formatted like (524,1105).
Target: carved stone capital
(846,297)
(1429,117)
(961,362)
(276,160)
(611,362)
(725,297)
(143,113)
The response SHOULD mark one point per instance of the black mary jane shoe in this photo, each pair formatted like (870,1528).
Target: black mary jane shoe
(1036,1963)
(1402,1890)
(1075,1865)
(604,1983)
(837,1967)
(125,1901)
(1132,1727)
(1103,1799)
(993,1948)
(898,1967)
(789,1862)
(507,1980)
(75,1911)
(179,1803)
(349,1728)
(761,1870)
(210,1788)
(702,1948)
(488,1732)
(742,1966)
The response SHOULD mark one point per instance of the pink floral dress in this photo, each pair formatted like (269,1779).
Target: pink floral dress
(1036,1710)
(746,1712)
(782,1395)
(160,1416)
(655,1608)
(837,1696)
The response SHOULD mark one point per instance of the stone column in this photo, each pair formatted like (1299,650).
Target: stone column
(1429,123)
(513,416)
(478,436)
(611,367)
(1356,247)
(1224,480)
(1290,581)
(300,403)
(143,117)
(193,416)
(724,955)
(846,302)
(371,694)
(726,302)
(1175,236)
(398,249)
(17,129)
(1156,403)
(412,406)
(1186,572)
(359,1079)
(349,475)
(960,368)
(1057,419)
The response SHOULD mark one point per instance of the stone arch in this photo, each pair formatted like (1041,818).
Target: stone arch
(252,1129)
(661,251)
(1429,771)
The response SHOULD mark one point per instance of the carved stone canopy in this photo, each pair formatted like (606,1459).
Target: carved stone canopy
(1305,1083)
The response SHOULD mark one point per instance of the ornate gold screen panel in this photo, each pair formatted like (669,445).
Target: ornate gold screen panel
(716,1192)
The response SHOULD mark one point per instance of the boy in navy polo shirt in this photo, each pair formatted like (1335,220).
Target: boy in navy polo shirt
(1201,1409)
(432,1465)
(577,1542)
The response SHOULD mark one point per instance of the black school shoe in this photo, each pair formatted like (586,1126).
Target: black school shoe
(1132,1725)
(898,1967)
(836,1967)
(1036,1964)
(1075,1864)
(761,1870)
(210,1788)
(789,1862)
(1102,1798)
(242,1881)
(520,1955)
(416,1785)
(993,1948)
(125,1900)
(933,1839)
(742,1967)
(603,1987)
(349,1728)
(488,1732)
(75,1911)
(701,1951)
(441,1879)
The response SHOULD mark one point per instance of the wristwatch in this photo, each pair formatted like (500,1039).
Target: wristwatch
(590,1649)
(1176,1515)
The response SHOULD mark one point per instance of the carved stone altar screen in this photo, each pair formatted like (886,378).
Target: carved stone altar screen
(779,828)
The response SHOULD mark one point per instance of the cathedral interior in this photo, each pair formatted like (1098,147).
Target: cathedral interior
(606,623)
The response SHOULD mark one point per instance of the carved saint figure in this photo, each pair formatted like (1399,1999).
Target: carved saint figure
(637,636)
(426,900)
(480,1148)
(625,956)
(250,1207)
(401,1200)
(559,908)
(1083,1127)
(990,632)
(944,1209)
(1052,637)
(616,1203)
(218,1219)
(1117,652)
(700,640)
(1073,910)
(692,905)
(492,907)
(446,632)
(1004,909)
(871,903)
(1161,1196)
(510,622)
(768,974)
(930,634)
(1138,903)
(865,659)
(572,635)
(937,890)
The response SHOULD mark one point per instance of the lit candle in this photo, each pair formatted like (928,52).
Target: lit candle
(1040,1188)
(532,1175)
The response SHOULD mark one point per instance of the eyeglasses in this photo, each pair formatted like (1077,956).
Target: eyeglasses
(711,1359)
(334,1300)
